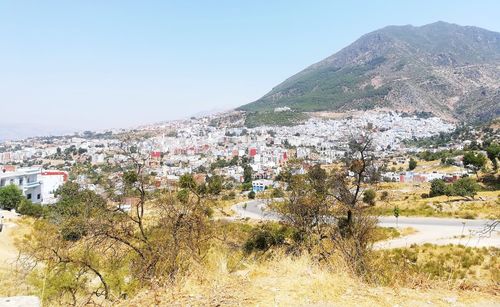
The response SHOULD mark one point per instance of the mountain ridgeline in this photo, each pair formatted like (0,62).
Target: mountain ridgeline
(449,70)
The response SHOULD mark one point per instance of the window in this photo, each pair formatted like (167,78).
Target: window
(20,181)
(38,196)
(28,196)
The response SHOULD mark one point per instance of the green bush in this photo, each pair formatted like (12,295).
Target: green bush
(266,236)
(277,193)
(465,187)
(438,188)
(412,165)
(369,197)
(251,195)
(26,207)
(10,197)
(247,186)
(462,187)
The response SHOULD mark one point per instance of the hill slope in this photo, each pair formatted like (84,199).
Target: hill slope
(450,70)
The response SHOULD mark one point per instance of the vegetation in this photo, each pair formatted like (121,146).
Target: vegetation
(92,251)
(277,193)
(85,238)
(472,267)
(446,156)
(369,197)
(314,198)
(266,236)
(412,164)
(26,207)
(412,204)
(465,187)
(10,197)
(251,195)
(493,153)
(281,279)
(475,161)
(346,80)
(330,93)
(288,118)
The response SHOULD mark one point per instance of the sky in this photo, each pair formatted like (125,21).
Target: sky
(93,64)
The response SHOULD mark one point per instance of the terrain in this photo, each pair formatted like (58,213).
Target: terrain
(443,69)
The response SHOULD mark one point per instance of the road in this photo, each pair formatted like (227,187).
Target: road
(440,231)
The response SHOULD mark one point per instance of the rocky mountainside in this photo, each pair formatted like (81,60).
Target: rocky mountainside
(449,70)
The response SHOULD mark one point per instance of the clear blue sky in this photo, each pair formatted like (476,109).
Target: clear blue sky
(96,64)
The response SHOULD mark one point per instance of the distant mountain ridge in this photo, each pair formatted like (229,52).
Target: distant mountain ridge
(449,70)
(26,130)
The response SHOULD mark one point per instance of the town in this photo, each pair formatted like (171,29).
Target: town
(250,153)
(197,146)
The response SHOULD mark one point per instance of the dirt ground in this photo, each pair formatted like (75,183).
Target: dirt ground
(8,251)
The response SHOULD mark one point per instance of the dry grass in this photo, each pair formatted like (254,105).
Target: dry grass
(286,281)
(407,197)
(431,166)
(229,278)
(12,279)
(449,266)
(387,233)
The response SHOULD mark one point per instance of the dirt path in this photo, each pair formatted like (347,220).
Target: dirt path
(8,251)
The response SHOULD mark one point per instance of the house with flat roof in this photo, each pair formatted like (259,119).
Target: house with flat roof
(261,184)
(27,179)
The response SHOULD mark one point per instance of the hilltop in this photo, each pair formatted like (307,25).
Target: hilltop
(445,69)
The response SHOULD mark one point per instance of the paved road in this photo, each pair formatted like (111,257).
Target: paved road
(439,231)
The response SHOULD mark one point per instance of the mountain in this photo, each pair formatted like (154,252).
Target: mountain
(449,70)
(26,130)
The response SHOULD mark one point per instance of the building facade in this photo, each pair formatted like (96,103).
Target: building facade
(27,179)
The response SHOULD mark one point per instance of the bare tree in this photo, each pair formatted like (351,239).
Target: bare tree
(347,181)
(326,208)
(88,237)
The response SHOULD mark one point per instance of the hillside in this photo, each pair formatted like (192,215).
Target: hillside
(450,70)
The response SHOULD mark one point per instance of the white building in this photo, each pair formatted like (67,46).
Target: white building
(27,179)
(261,185)
(51,181)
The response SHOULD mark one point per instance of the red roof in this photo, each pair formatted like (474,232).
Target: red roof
(56,173)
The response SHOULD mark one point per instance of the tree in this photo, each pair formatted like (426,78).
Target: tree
(396,215)
(465,187)
(234,161)
(247,173)
(215,185)
(412,164)
(318,196)
(369,197)
(307,208)
(347,182)
(475,161)
(251,195)
(91,249)
(438,188)
(10,197)
(493,153)
(246,186)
